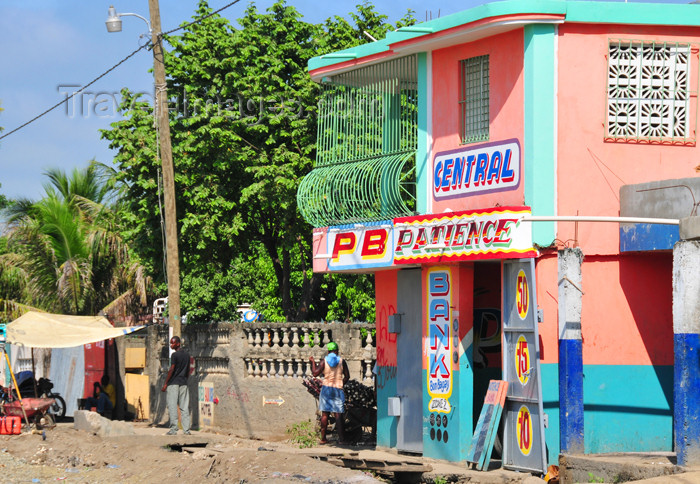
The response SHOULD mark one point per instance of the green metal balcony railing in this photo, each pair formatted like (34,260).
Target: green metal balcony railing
(366,146)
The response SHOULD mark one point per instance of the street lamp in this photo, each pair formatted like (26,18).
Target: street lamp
(114,21)
(160,110)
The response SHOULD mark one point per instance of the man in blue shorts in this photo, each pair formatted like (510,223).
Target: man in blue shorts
(332,399)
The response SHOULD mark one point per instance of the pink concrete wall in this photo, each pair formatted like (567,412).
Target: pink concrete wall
(627,318)
(546,271)
(591,170)
(385,297)
(505,109)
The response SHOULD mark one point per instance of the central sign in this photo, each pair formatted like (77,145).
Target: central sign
(483,168)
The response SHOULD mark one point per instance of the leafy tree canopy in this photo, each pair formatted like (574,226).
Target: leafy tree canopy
(243,131)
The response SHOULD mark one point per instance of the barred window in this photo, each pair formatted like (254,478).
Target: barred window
(474,102)
(648,95)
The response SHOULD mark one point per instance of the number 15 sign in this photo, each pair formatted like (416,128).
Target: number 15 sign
(524,446)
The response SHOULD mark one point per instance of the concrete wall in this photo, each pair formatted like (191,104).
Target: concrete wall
(255,371)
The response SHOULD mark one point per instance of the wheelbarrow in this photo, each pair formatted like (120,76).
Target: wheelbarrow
(36,409)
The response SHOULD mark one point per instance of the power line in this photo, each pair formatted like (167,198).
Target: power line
(147,45)
(200,19)
(76,92)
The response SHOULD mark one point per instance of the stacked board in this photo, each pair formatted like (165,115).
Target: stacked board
(487,427)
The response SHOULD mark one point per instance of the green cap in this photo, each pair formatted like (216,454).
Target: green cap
(332,346)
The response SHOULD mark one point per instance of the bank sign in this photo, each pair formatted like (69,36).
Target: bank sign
(496,233)
(483,168)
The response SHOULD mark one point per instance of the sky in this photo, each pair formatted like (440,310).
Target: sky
(51,48)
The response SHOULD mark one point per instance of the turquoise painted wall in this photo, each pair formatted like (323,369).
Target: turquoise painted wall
(539,128)
(550,406)
(386,425)
(459,421)
(628,408)
(422,162)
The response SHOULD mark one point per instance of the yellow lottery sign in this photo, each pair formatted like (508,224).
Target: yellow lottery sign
(522,295)
(522,360)
(524,430)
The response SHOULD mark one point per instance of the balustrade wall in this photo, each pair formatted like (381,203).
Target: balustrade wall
(247,362)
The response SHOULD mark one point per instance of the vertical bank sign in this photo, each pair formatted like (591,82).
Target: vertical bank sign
(439,351)
(496,233)
(360,246)
(484,168)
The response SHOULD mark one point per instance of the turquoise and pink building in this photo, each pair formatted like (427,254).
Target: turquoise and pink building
(514,176)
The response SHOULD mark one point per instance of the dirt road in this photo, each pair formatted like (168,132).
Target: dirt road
(71,455)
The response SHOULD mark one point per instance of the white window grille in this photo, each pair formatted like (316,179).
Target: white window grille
(648,92)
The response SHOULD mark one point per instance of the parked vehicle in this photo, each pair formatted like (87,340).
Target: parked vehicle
(30,388)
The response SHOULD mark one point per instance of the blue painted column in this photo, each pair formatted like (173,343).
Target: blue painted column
(686,348)
(570,352)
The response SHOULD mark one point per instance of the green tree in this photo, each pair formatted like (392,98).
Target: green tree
(64,253)
(243,128)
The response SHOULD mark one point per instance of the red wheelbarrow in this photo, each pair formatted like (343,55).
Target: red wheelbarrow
(31,408)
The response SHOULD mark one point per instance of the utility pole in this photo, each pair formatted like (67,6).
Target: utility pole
(166,156)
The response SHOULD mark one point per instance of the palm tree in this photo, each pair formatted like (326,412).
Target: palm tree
(65,253)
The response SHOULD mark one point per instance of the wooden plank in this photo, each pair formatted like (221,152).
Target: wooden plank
(137,393)
(135,358)
(486,428)
(494,430)
(476,445)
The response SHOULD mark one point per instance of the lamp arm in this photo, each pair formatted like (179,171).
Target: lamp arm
(150,32)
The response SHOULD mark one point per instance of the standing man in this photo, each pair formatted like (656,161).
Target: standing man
(176,384)
(332,399)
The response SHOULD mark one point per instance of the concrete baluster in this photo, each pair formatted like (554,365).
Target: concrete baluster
(257,342)
(251,339)
(275,338)
(295,337)
(285,337)
(249,365)
(368,369)
(369,340)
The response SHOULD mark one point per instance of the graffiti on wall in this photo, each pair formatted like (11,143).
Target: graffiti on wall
(439,339)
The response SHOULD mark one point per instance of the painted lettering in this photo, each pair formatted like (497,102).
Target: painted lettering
(507,174)
(421,239)
(494,167)
(459,172)
(374,244)
(439,309)
(439,336)
(486,237)
(447,173)
(482,162)
(344,244)
(437,175)
(405,239)
(439,284)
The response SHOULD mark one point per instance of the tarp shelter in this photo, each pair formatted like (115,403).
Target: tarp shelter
(46,330)
(74,336)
